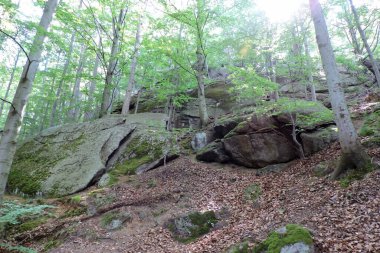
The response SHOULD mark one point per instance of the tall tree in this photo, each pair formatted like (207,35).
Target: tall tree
(16,113)
(117,25)
(353,154)
(365,42)
(131,81)
(201,18)
(10,81)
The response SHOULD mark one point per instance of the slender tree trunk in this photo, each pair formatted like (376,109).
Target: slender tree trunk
(201,87)
(367,47)
(17,110)
(131,81)
(75,98)
(353,155)
(106,100)
(10,81)
(61,81)
(138,101)
(309,67)
(89,114)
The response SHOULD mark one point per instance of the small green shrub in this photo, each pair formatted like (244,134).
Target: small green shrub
(11,212)
(6,248)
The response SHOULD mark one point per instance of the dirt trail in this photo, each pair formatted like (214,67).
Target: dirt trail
(342,220)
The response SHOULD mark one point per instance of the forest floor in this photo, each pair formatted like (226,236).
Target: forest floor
(341,219)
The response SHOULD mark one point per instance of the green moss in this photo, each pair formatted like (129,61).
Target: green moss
(240,248)
(77,211)
(31,224)
(371,129)
(276,241)
(354,175)
(189,228)
(139,152)
(51,245)
(75,199)
(107,218)
(31,166)
(252,193)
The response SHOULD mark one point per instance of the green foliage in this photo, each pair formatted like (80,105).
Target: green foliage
(240,248)
(371,129)
(31,224)
(276,241)
(354,175)
(347,62)
(13,212)
(248,84)
(15,249)
(188,228)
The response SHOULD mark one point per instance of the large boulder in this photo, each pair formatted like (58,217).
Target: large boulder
(319,139)
(68,158)
(259,150)
(265,137)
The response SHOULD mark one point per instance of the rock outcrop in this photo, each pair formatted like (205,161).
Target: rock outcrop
(68,158)
(263,139)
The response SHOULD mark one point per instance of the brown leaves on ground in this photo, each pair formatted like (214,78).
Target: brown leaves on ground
(342,220)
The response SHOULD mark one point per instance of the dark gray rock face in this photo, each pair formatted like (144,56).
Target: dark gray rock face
(261,140)
(318,140)
(214,152)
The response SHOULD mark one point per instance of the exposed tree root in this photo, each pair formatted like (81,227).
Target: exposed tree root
(356,159)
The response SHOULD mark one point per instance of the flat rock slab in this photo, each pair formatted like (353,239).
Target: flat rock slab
(66,159)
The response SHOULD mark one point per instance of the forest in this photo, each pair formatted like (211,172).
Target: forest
(189,126)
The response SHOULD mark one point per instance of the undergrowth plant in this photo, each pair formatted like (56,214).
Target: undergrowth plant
(11,212)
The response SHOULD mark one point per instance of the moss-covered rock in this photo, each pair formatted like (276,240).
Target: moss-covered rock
(289,239)
(371,129)
(239,248)
(192,226)
(66,159)
(114,219)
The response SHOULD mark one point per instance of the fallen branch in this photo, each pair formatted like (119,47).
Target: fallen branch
(51,228)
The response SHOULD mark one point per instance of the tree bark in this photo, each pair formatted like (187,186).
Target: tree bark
(75,97)
(367,47)
(10,81)
(60,84)
(309,67)
(117,25)
(131,81)
(17,110)
(200,75)
(353,155)
(89,114)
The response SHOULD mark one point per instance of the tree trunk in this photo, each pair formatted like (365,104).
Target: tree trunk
(117,25)
(138,101)
(367,47)
(89,114)
(131,81)
(60,84)
(353,155)
(309,67)
(75,98)
(17,110)
(201,87)
(10,82)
